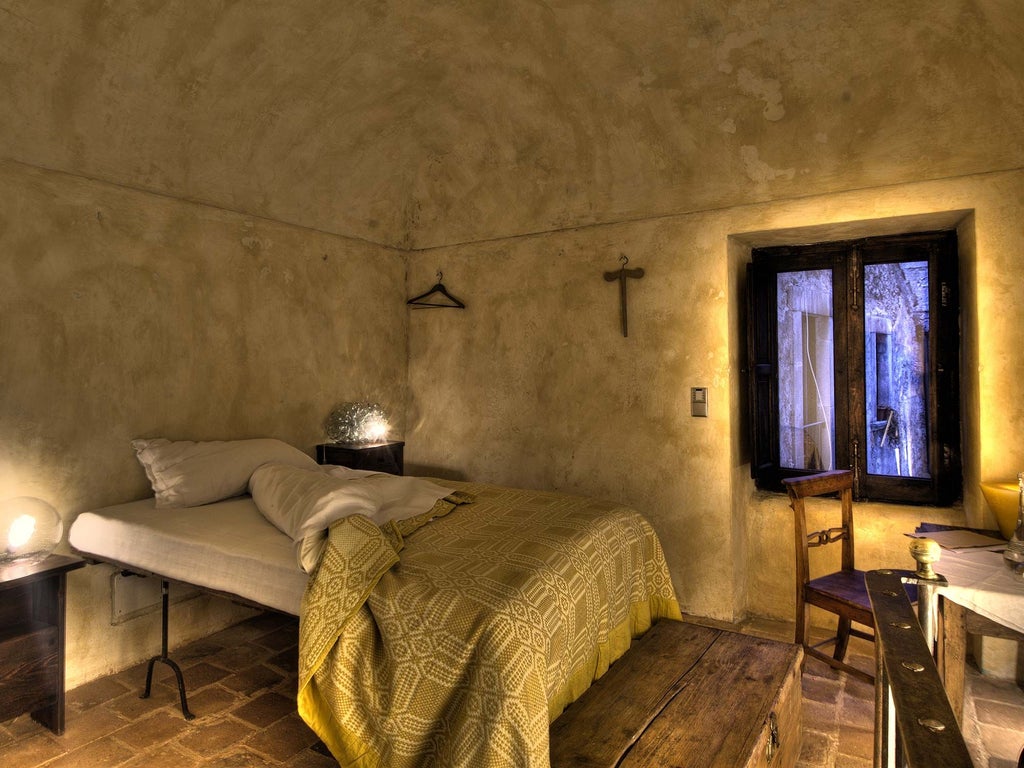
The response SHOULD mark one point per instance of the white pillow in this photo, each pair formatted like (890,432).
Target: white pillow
(186,474)
(303,504)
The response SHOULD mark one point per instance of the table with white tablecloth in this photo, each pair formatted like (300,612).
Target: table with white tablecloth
(984,596)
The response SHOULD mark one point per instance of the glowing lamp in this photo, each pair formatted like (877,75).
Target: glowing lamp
(30,529)
(357,424)
(1004,501)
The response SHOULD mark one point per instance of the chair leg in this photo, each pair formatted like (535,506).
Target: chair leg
(842,666)
(842,638)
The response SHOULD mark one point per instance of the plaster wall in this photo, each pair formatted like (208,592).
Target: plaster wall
(421,123)
(534,385)
(626,110)
(126,314)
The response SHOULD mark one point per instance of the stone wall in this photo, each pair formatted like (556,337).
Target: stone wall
(125,314)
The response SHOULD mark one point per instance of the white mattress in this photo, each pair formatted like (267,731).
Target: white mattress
(227,546)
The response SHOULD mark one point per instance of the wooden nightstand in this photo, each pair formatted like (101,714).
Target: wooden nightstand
(32,599)
(378,457)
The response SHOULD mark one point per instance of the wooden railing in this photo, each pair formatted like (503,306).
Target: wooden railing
(914,722)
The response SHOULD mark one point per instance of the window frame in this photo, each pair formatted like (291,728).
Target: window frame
(847,259)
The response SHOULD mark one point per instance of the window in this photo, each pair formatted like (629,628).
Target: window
(854,360)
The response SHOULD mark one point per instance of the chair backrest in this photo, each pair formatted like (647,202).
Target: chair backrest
(822,484)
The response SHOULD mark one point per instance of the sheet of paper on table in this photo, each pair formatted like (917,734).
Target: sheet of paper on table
(960,539)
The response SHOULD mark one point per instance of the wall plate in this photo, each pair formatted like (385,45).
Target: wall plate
(699,401)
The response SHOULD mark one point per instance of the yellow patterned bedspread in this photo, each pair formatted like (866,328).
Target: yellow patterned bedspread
(456,643)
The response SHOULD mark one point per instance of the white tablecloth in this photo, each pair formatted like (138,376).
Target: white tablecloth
(980,580)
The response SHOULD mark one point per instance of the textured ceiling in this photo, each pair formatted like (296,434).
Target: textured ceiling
(428,123)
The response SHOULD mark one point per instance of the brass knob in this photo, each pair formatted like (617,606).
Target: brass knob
(925,552)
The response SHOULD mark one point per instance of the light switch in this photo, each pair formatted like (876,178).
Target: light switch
(698,401)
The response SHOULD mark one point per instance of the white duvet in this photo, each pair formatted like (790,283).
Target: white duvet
(303,503)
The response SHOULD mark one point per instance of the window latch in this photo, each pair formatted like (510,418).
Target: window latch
(856,467)
(855,280)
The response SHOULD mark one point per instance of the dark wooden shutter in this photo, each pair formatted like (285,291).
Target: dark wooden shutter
(762,356)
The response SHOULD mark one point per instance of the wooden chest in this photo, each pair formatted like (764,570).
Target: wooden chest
(689,696)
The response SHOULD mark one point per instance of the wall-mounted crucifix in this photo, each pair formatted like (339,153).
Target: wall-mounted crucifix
(622,275)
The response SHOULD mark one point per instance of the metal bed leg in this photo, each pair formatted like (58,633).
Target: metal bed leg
(164,590)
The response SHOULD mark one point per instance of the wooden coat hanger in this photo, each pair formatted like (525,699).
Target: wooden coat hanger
(421,302)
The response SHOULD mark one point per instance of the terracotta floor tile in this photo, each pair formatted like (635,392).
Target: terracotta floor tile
(106,752)
(1001,714)
(857,742)
(859,709)
(270,620)
(253,679)
(280,638)
(32,750)
(93,693)
(1002,743)
(238,656)
(996,689)
(165,756)
(195,676)
(24,726)
(820,689)
(216,735)
(309,758)
(265,709)
(819,716)
(242,758)
(816,749)
(132,707)
(200,650)
(211,701)
(132,679)
(284,739)
(155,729)
(287,659)
(244,632)
(82,727)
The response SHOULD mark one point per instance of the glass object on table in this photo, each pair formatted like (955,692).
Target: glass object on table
(30,530)
(357,424)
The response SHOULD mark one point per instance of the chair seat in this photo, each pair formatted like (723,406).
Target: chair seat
(847,589)
(842,589)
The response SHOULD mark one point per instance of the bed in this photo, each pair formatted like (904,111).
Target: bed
(443,633)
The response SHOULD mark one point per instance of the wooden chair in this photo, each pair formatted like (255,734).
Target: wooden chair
(843,592)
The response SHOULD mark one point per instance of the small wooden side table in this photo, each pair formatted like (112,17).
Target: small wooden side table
(376,457)
(32,600)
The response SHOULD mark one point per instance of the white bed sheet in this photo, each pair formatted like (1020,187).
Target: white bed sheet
(227,546)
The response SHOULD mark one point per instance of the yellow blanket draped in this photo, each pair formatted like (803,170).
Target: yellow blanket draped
(460,650)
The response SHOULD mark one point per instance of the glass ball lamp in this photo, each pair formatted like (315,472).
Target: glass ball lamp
(357,424)
(30,529)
